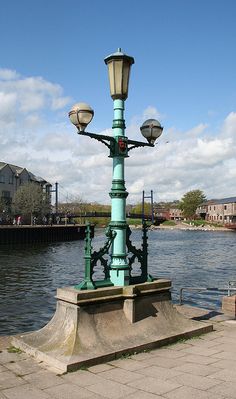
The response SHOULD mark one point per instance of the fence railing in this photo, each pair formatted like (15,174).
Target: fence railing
(230,288)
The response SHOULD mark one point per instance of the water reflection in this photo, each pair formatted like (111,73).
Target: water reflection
(30,275)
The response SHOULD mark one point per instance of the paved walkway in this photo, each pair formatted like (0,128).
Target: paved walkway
(203,367)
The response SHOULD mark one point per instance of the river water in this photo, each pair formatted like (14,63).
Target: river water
(29,275)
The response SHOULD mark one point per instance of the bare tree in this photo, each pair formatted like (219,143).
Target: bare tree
(30,199)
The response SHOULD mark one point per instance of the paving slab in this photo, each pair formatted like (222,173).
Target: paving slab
(224,355)
(196,369)
(119,375)
(25,392)
(82,378)
(162,361)
(225,375)
(199,359)
(226,347)
(2,396)
(7,357)
(154,385)
(5,341)
(8,379)
(226,389)
(68,391)
(203,350)
(159,372)
(23,367)
(111,389)
(100,367)
(128,364)
(143,395)
(195,381)
(43,379)
(225,364)
(192,393)
(168,353)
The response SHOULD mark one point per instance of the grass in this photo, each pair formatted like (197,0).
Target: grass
(202,222)
(12,349)
(169,223)
(133,222)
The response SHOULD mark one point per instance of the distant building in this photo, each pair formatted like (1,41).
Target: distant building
(12,177)
(162,212)
(222,210)
(219,210)
(175,214)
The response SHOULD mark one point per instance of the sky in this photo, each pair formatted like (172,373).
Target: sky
(52,56)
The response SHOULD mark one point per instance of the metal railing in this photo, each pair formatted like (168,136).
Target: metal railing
(231,288)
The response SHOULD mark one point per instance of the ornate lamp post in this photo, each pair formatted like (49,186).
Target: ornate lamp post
(118,272)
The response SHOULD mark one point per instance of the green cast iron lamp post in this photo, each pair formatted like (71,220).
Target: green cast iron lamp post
(119,274)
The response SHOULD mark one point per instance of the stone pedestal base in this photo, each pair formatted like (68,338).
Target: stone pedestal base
(229,305)
(91,327)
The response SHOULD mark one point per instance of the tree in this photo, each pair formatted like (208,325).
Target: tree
(2,205)
(190,201)
(138,208)
(30,199)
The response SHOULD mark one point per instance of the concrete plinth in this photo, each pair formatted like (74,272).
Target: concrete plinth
(91,327)
(229,305)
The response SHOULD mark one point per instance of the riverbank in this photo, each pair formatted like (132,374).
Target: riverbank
(185,226)
(26,234)
(202,367)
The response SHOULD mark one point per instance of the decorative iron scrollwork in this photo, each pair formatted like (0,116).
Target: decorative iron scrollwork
(140,254)
(92,258)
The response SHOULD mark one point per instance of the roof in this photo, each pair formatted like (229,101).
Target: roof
(228,200)
(18,170)
(225,200)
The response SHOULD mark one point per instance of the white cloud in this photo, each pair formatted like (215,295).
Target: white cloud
(8,74)
(151,113)
(32,94)
(197,130)
(181,161)
(7,105)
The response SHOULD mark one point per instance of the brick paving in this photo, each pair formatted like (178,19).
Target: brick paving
(199,368)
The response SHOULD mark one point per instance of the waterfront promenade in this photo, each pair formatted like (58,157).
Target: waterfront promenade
(199,368)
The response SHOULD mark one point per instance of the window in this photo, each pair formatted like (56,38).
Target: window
(225,207)
(6,197)
(2,179)
(6,194)
(10,180)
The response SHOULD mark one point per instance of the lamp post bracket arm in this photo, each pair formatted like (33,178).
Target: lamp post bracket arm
(136,144)
(99,137)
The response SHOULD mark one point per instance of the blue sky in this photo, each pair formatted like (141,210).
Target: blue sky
(184,74)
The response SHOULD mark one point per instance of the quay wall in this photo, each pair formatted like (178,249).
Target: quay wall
(37,234)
